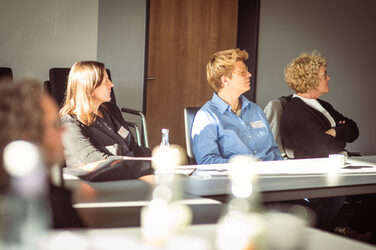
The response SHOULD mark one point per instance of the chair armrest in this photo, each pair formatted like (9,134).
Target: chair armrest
(131,111)
(354,154)
(144,126)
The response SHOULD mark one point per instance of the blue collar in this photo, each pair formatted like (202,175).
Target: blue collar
(223,106)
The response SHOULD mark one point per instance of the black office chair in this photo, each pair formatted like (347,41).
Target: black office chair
(189,116)
(6,74)
(57,86)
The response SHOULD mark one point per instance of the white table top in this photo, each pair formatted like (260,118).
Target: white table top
(278,180)
(355,165)
(203,235)
(292,179)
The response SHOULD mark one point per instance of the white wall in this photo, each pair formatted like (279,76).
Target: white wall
(39,34)
(121,46)
(343,31)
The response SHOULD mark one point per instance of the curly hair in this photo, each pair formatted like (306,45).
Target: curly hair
(21,114)
(302,74)
(222,64)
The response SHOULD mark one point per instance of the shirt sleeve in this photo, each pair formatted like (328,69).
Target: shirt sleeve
(205,139)
(77,147)
(349,130)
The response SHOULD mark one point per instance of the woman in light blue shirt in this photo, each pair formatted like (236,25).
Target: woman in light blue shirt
(229,124)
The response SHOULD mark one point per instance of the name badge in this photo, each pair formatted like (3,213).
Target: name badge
(257,124)
(123,132)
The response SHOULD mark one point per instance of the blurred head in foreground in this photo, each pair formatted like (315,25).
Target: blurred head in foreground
(26,113)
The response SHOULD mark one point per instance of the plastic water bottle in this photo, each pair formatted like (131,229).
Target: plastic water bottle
(165,140)
(26,210)
(165,216)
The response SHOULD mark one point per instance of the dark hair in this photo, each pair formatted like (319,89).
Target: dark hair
(21,116)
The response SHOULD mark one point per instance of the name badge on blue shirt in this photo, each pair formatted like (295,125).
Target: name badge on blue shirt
(257,124)
(123,132)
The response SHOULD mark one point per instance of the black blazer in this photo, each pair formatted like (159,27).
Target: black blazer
(101,140)
(303,130)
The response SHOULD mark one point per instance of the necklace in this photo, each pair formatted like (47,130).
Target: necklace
(237,107)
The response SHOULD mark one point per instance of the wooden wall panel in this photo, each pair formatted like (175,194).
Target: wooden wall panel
(183,34)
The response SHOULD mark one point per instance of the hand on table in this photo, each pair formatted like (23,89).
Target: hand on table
(149,179)
(91,166)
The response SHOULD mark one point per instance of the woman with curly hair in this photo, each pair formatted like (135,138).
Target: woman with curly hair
(309,126)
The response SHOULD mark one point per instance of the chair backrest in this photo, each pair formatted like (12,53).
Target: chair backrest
(189,116)
(57,85)
(6,74)
(47,87)
(273,112)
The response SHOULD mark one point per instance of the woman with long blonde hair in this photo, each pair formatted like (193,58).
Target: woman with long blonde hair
(96,130)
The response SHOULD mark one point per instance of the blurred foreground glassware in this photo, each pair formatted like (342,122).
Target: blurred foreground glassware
(25,212)
(286,230)
(164,216)
(243,226)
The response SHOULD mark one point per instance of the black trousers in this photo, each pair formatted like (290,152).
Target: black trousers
(364,218)
(325,210)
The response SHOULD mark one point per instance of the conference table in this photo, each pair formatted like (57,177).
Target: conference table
(206,189)
(276,180)
(119,203)
(114,208)
(292,179)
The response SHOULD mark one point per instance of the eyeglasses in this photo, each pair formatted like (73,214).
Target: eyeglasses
(242,71)
(324,74)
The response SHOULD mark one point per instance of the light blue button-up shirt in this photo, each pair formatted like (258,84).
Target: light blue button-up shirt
(219,134)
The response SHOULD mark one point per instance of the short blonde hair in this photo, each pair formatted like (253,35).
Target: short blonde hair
(222,64)
(302,74)
(83,78)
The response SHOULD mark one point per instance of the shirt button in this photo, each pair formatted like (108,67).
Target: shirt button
(250,136)
(255,152)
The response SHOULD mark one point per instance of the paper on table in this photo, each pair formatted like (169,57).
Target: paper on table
(299,166)
(184,170)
